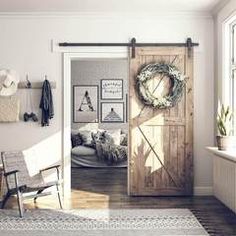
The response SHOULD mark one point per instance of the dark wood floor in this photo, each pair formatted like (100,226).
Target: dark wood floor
(107,188)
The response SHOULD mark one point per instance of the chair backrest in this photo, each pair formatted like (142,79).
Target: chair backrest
(15,161)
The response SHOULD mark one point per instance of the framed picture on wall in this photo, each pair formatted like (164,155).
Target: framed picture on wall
(112,112)
(85,104)
(112,89)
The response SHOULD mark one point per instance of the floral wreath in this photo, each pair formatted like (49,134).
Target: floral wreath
(175,93)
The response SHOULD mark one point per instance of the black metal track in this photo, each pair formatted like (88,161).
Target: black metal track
(189,44)
(126,44)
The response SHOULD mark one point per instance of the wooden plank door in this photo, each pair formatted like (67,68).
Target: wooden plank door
(167,133)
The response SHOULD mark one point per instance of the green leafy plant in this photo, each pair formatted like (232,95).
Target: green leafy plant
(224,118)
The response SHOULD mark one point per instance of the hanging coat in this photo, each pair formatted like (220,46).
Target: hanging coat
(46,103)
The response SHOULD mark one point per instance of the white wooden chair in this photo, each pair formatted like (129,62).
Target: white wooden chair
(18,180)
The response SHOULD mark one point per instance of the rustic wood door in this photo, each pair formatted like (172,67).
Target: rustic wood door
(166,133)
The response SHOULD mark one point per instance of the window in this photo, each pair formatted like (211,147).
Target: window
(232,71)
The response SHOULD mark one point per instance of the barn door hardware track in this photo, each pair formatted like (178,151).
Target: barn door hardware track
(132,44)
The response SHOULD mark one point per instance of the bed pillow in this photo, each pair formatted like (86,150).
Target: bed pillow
(98,136)
(76,140)
(111,154)
(86,136)
(124,140)
(113,136)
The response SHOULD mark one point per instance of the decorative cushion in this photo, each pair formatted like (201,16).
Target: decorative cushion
(76,140)
(117,154)
(111,153)
(124,140)
(86,136)
(102,150)
(83,151)
(98,135)
(113,136)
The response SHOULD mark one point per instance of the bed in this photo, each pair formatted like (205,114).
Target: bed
(99,149)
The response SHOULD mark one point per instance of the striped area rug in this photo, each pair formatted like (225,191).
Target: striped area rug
(101,222)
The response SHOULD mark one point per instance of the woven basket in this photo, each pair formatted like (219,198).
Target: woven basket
(9,109)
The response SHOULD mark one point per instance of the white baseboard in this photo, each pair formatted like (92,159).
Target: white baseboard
(203,191)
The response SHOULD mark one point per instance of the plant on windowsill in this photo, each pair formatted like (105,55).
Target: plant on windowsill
(225,140)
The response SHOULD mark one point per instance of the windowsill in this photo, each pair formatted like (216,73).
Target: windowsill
(229,155)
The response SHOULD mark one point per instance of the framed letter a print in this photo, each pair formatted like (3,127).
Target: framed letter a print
(85,104)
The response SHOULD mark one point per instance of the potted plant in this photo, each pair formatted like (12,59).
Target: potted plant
(224,140)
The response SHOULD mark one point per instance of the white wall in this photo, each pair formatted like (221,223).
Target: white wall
(25,45)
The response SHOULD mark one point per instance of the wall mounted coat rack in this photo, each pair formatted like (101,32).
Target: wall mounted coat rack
(35,85)
(189,44)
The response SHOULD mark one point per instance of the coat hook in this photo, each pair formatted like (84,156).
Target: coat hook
(133,42)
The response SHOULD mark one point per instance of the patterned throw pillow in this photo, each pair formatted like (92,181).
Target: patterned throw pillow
(117,154)
(102,150)
(76,140)
(98,136)
(113,136)
(86,136)
(111,154)
(124,140)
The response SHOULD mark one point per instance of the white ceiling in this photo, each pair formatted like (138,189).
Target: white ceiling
(108,5)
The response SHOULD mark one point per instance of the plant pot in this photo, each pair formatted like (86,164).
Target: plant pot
(225,142)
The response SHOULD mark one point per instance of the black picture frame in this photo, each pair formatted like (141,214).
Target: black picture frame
(111,105)
(112,80)
(96,96)
(126,107)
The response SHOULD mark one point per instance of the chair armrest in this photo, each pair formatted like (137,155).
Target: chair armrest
(17,187)
(11,172)
(50,167)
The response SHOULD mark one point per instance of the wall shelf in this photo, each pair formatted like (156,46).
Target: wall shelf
(35,85)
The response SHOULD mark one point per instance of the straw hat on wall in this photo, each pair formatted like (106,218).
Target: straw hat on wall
(9,80)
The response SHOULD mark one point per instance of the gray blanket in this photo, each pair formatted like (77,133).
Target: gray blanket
(111,153)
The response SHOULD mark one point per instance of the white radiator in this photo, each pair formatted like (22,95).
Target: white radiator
(225,181)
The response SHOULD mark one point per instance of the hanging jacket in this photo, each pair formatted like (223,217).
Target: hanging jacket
(46,103)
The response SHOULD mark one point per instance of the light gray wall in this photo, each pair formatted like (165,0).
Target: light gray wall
(90,72)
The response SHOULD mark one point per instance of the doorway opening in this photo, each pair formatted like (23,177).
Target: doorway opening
(99,129)
(95,108)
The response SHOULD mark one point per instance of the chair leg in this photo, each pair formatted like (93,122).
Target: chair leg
(20,203)
(39,191)
(5,200)
(59,197)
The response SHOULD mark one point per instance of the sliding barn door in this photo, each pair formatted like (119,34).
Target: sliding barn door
(161,141)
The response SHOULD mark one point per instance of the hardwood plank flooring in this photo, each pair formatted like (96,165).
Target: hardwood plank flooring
(107,188)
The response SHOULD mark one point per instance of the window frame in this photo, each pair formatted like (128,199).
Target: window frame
(228,90)
(232,71)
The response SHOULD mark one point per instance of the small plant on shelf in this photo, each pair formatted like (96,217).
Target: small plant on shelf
(225,140)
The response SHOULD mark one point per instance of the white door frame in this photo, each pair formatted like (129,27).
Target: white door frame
(78,54)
